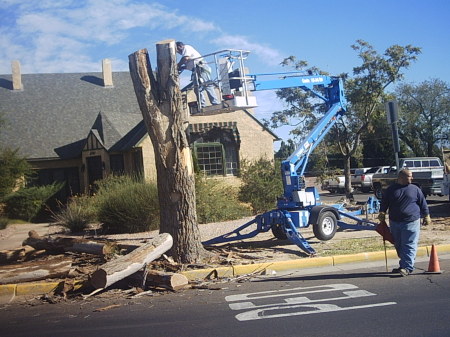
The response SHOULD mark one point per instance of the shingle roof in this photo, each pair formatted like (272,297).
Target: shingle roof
(53,114)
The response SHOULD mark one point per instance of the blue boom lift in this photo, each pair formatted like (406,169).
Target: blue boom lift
(299,206)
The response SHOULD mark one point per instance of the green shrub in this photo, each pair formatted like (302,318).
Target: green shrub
(261,184)
(26,203)
(77,214)
(14,169)
(217,201)
(3,222)
(126,205)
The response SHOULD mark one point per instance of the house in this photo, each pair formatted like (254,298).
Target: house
(81,127)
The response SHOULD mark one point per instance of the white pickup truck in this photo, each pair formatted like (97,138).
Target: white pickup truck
(334,185)
(337,184)
(427,173)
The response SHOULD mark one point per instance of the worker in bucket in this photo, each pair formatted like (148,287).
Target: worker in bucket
(406,204)
(201,72)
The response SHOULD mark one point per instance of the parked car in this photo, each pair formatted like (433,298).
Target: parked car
(358,177)
(427,173)
(364,180)
(334,185)
(337,184)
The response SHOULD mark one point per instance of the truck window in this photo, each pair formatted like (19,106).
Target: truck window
(408,163)
(434,162)
(417,163)
(425,163)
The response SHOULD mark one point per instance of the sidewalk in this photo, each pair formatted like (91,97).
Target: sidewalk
(13,236)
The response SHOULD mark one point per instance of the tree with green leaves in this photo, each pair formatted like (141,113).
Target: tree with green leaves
(424,115)
(365,93)
(13,168)
(285,149)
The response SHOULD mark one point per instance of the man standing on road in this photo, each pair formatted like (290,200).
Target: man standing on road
(406,204)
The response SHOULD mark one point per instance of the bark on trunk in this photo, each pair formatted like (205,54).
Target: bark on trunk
(166,121)
(63,244)
(55,267)
(348,178)
(124,266)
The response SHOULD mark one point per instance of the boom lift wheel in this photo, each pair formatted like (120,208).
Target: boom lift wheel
(377,190)
(278,232)
(326,226)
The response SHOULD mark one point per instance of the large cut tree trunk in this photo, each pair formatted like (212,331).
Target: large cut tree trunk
(124,266)
(161,106)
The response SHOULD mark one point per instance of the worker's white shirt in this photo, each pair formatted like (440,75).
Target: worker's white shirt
(190,52)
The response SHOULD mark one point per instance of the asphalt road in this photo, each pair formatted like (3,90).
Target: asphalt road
(365,301)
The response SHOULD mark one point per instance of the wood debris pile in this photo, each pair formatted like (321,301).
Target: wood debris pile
(85,267)
(91,265)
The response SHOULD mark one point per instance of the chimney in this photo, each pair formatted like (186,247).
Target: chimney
(107,73)
(16,75)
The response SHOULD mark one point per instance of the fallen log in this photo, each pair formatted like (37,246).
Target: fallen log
(18,254)
(53,267)
(162,279)
(67,244)
(124,266)
(172,281)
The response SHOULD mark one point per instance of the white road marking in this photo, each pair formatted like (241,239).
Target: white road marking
(317,309)
(300,300)
(294,305)
(293,291)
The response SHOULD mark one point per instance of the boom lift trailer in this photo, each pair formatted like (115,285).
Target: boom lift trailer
(299,206)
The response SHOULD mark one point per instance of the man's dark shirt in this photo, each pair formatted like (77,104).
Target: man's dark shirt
(405,202)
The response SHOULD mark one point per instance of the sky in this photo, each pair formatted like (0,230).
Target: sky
(71,36)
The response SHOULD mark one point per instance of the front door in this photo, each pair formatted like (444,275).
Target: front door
(94,169)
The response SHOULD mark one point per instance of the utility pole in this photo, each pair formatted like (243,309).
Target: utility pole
(392,119)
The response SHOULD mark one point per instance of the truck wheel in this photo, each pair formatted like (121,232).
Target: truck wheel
(326,226)
(377,190)
(278,232)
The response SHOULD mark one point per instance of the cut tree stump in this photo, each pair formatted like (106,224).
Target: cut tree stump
(53,267)
(124,266)
(67,244)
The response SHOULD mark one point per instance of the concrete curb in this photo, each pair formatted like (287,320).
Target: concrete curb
(331,261)
(41,288)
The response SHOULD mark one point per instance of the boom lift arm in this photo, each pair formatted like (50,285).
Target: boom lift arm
(300,206)
(328,89)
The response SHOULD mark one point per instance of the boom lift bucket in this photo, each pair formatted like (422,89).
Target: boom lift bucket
(228,77)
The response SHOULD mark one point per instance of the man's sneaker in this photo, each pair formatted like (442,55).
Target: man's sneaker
(396,270)
(404,272)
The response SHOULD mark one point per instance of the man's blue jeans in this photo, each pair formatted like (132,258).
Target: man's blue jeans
(406,237)
(199,77)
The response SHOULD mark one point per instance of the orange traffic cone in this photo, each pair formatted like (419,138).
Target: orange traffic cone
(433,266)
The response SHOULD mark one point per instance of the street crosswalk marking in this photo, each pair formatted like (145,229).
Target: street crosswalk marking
(294,304)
